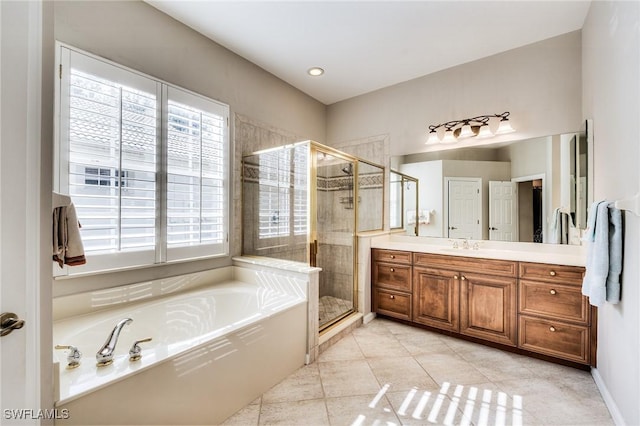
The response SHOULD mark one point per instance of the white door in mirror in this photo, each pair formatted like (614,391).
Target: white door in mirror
(464,207)
(503,211)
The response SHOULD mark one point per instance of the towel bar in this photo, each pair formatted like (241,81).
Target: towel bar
(630,204)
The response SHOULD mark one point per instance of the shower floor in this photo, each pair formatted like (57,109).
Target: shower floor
(332,307)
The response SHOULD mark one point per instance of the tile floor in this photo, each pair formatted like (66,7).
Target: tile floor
(331,308)
(386,373)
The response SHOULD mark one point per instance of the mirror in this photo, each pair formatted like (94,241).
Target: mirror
(532,190)
(403,194)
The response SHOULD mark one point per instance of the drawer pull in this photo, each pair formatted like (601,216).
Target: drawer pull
(392,297)
(552,329)
(552,291)
(392,270)
(552,273)
(393,256)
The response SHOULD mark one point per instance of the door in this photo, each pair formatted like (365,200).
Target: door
(333,234)
(463,208)
(488,307)
(21,217)
(436,298)
(503,211)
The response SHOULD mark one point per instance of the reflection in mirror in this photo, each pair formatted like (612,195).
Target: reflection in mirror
(531,190)
(370,196)
(403,190)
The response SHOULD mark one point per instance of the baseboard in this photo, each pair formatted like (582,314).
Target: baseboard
(368,317)
(608,399)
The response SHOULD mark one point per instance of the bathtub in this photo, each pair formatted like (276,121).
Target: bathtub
(214,348)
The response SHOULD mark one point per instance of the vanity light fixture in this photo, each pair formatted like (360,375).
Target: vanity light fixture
(469,127)
(315,71)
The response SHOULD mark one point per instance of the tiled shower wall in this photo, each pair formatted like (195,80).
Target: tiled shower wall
(252,136)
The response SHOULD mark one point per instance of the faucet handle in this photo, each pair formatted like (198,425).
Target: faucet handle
(135,353)
(73,358)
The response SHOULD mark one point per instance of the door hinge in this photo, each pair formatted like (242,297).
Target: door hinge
(478,221)
(478,191)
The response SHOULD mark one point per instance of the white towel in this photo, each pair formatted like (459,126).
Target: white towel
(604,254)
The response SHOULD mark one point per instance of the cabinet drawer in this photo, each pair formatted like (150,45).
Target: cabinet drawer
(570,275)
(393,276)
(394,256)
(503,268)
(555,338)
(392,303)
(557,301)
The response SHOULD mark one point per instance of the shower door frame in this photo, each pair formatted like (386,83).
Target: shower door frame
(315,149)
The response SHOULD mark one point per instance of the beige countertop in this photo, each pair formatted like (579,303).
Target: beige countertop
(524,252)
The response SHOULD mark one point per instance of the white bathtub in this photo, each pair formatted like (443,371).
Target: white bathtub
(213,351)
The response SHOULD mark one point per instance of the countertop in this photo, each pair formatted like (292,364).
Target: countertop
(523,252)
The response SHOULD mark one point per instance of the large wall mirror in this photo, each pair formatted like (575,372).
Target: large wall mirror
(534,190)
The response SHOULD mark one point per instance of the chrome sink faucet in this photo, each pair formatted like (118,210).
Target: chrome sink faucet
(105,354)
(465,244)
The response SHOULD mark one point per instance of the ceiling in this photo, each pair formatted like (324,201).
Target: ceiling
(367,45)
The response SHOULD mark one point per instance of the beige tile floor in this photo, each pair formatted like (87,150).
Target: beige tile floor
(386,373)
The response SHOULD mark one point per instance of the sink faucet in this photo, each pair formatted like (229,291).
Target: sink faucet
(105,354)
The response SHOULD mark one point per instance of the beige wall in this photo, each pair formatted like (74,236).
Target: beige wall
(611,97)
(540,84)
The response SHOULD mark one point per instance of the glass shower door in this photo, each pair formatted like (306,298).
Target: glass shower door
(333,234)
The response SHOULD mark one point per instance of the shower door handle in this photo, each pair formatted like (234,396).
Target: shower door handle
(313,253)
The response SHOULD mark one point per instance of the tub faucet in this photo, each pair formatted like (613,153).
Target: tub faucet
(105,354)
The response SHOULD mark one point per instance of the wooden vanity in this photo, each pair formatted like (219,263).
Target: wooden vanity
(526,307)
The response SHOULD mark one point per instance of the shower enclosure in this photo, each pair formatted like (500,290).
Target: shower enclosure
(305,202)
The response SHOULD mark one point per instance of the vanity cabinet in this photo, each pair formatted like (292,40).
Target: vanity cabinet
(530,307)
(392,283)
(476,297)
(554,318)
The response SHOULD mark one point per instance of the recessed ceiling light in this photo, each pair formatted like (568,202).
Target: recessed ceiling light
(315,71)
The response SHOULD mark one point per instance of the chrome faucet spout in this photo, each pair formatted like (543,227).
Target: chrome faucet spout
(105,354)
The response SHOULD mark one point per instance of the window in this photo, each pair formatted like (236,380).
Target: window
(145,163)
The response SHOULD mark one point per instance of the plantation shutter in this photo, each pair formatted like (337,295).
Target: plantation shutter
(111,134)
(196,185)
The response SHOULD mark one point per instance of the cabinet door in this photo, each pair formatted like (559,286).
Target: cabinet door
(488,308)
(436,298)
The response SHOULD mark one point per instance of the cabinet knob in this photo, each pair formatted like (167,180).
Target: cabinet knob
(552,291)
(392,270)
(552,329)
(393,256)
(455,277)
(552,273)
(392,297)
(463,278)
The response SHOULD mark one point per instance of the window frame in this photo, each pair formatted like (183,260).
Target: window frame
(160,255)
